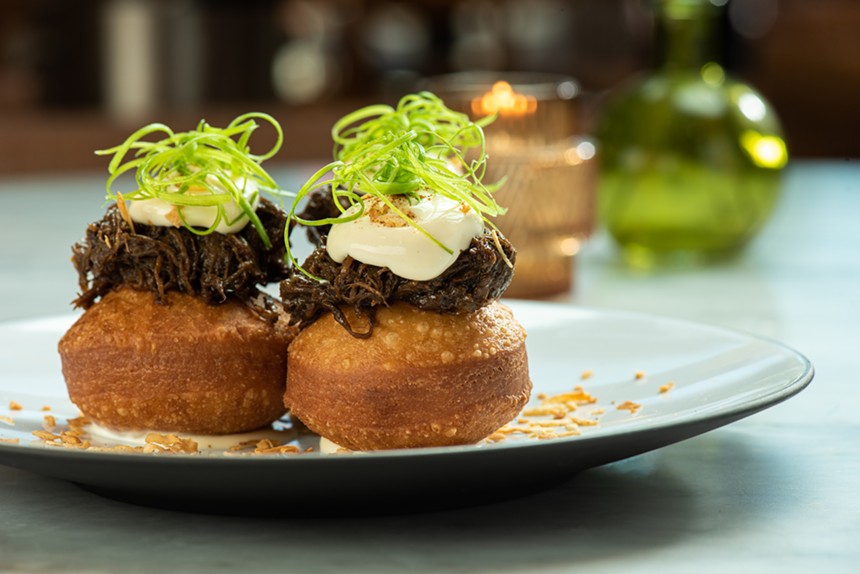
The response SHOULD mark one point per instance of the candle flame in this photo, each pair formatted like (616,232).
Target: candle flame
(502,99)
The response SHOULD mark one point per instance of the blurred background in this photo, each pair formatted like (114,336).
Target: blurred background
(77,76)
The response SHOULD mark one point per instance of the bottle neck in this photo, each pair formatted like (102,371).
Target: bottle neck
(686,33)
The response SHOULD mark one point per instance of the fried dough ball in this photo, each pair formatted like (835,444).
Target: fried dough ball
(131,363)
(422,379)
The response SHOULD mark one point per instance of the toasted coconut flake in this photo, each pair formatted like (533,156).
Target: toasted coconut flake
(278,449)
(629,406)
(46,436)
(578,396)
(244,445)
(120,448)
(552,418)
(170,443)
(546,411)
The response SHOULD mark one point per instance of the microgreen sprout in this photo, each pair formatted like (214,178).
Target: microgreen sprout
(420,146)
(202,167)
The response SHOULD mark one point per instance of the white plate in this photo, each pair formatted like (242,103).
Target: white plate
(719,376)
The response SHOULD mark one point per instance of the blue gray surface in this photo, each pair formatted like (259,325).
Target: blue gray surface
(777,492)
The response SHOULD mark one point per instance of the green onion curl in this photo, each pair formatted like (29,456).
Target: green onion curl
(178,166)
(419,146)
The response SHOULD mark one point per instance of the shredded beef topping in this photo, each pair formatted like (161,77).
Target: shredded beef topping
(162,259)
(320,205)
(478,276)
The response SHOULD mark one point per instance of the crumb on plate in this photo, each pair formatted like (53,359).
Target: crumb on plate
(629,406)
(156,442)
(46,436)
(552,418)
(264,446)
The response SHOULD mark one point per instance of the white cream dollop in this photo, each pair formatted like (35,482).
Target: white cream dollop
(380,237)
(161,213)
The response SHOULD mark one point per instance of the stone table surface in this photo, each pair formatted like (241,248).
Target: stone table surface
(777,492)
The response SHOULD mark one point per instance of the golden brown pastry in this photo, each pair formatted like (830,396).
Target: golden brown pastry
(184,365)
(421,379)
(175,335)
(404,343)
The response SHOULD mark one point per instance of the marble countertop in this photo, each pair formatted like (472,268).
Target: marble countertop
(777,492)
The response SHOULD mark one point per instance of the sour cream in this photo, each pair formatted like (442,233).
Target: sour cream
(161,213)
(381,237)
(110,437)
(330,447)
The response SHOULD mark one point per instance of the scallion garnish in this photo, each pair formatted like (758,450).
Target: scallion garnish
(421,146)
(200,167)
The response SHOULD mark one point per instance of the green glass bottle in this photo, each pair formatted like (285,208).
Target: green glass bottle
(690,159)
